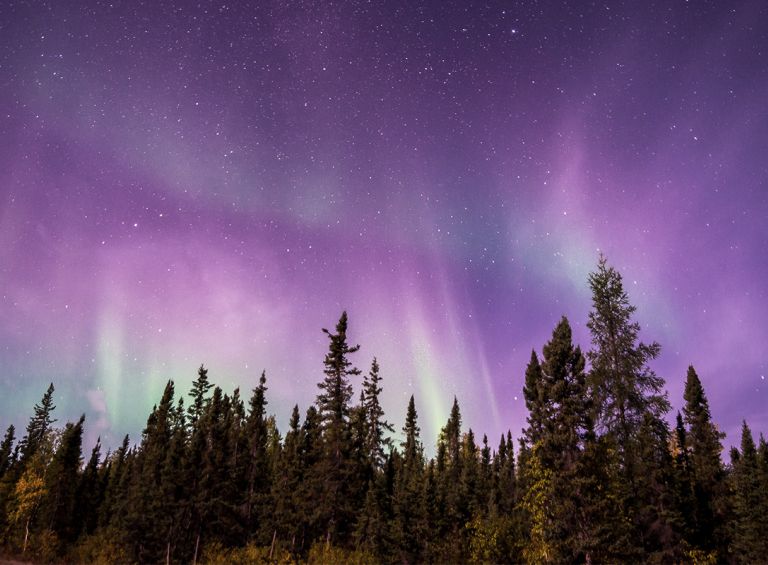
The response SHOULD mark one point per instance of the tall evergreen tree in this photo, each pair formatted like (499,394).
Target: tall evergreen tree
(449,500)
(6,450)
(556,392)
(62,478)
(750,529)
(410,512)
(200,388)
(145,512)
(38,426)
(704,448)
(625,390)
(90,493)
(333,407)
(535,401)
(624,386)
(257,465)
(287,483)
(376,443)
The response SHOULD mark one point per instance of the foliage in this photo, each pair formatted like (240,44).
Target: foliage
(598,477)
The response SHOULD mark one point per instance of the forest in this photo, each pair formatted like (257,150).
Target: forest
(598,475)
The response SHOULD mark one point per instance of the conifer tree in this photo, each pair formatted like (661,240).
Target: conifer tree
(750,535)
(333,407)
(38,426)
(62,477)
(114,495)
(410,513)
(535,401)
(505,483)
(312,515)
(658,517)
(376,444)
(624,386)
(287,483)
(684,490)
(90,492)
(257,465)
(471,500)
(556,392)
(144,506)
(624,389)
(704,448)
(448,507)
(6,450)
(200,388)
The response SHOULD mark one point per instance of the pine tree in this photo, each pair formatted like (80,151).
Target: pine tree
(313,516)
(145,512)
(410,513)
(450,501)
(625,388)
(90,492)
(704,447)
(535,401)
(376,444)
(257,466)
(657,515)
(471,500)
(684,489)
(333,407)
(62,478)
(38,426)
(750,535)
(556,393)
(504,481)
(200,388)
(6,450)
(115,467)
(287,483)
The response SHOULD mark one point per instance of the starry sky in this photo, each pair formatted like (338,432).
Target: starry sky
(214,182)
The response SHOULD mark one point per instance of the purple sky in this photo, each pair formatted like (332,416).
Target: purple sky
(215,182)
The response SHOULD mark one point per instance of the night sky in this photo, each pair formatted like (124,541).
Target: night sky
(198,182)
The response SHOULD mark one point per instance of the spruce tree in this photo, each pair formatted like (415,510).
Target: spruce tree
(286,485)
(90,493)
(703,442)
(38,426)
(62,478)
(750,529)
(144,507)
(6,450)
(333,407)
(624,389)
(410,518)
(257,465)
(376,444)
(555,392)
(624,386)
(657,515)
(312,514)
(535,401)
(450,500)
(200,388)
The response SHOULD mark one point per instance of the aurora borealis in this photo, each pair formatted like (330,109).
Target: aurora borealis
(200,182)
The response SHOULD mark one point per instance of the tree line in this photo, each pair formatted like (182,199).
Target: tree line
(597,475)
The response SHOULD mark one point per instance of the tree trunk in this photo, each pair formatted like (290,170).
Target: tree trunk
(197,545)
(26,536)
(272,547)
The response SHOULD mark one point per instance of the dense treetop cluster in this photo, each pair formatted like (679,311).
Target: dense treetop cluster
(598,475)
